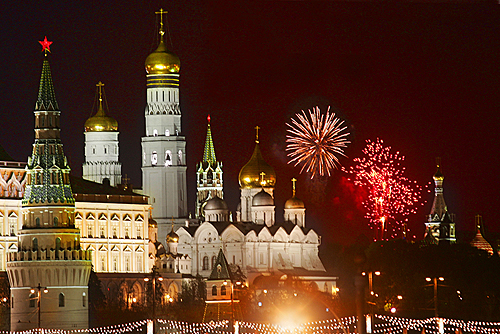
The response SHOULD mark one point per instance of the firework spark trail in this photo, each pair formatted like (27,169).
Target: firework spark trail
(391,196)
(316,141)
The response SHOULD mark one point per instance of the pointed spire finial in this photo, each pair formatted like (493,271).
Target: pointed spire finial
(161,12)
(438,162)
(257,134)
(293,186)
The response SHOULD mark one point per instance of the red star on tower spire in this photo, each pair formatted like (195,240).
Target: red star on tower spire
(45,45)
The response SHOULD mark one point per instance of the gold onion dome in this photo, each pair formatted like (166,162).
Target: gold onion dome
(257,172)
(162,61)
(294,203)
(172,236)
(101,122)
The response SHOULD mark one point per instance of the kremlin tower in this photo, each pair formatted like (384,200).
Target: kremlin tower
(440,222)
(49,273)
(101,146)
(208,175)
(163,147)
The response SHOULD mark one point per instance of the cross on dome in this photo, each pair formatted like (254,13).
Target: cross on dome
(293,186)
(161,12)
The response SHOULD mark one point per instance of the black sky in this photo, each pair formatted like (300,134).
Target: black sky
(423,77)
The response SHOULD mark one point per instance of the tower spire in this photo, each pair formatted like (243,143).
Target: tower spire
(46,96)
(293,186)
(209,152)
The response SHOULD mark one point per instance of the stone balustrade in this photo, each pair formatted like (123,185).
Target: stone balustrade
(51,254)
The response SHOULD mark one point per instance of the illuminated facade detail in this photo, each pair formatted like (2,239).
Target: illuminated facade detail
(49,252)
(164,176)
(209,182)
(101,146)
(440,222)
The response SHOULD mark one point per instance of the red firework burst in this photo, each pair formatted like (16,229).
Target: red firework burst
(316,141)
(391,196)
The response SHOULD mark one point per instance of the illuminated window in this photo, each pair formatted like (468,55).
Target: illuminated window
(84,300)
(167,132)
(155,133)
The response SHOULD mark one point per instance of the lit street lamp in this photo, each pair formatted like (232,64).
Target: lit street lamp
(435,284)
(155,275)
(39,298)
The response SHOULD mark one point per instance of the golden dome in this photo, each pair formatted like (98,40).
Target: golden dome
(101,122)
(162,61)
(152,222)
(172,236)
(251,174)
(294,203)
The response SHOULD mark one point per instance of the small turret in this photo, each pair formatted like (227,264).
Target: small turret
(295,209)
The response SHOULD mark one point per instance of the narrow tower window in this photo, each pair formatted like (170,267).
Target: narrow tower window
(154,158)
(168,158)
(61,300)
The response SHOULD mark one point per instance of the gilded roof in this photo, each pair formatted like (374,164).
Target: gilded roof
(162,61)
(251,174)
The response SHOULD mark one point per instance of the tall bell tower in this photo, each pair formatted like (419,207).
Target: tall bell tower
(164,147)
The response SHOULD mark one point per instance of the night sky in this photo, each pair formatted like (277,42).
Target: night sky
(422,77)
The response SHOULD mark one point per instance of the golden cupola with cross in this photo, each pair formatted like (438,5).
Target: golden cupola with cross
(102,145)
(161,60)
(101,121)
(257,173)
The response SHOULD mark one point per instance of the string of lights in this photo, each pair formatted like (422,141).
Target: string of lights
(385,324)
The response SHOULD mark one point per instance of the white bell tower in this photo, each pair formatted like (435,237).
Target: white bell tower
(163,147)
